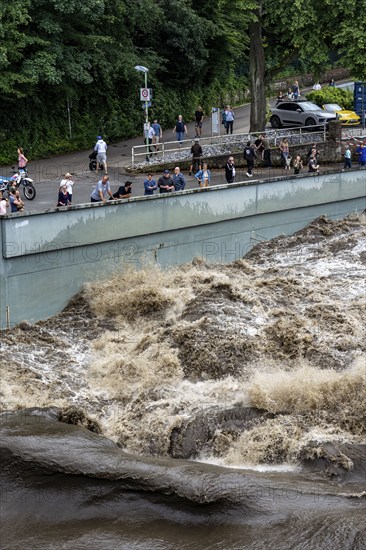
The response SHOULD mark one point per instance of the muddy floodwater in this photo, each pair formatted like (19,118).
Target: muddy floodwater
(198,407)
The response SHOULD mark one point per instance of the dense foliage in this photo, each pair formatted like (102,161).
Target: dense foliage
(329,94)
(67,66)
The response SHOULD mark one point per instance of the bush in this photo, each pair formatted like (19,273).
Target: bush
(330,94)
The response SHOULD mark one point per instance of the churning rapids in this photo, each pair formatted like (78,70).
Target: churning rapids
(200,407)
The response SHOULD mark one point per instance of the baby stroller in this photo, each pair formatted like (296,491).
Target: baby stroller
(93,162)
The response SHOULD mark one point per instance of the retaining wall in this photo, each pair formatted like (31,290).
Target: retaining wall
(47,257)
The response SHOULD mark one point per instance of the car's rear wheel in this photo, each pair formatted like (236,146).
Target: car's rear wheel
(275,122)
(310,122)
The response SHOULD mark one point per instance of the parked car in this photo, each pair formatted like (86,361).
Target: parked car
(347,118)
(299,113)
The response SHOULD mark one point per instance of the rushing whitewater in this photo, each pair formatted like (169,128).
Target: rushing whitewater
(203,406)
(260,361)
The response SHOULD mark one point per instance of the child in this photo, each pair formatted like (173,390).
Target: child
(347,158)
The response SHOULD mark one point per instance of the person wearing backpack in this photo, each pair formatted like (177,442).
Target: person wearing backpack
(249,156)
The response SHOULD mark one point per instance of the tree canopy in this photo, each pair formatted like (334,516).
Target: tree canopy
(72,61)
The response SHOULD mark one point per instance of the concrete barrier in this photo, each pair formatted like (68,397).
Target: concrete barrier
(46,257)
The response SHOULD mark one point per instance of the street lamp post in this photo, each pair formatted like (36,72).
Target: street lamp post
(145,70)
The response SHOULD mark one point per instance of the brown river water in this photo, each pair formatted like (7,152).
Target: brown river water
(198,407)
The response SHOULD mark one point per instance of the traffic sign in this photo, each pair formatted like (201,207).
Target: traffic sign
(145,94)
(146,104)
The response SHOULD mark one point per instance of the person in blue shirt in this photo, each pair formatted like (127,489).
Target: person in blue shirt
(102,188)
(361,153)
(203,176)
(149,185)
(178,179)
(158,134)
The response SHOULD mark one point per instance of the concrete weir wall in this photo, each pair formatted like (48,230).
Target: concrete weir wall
(46,257)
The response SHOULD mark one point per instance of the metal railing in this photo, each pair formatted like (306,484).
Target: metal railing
(295,136)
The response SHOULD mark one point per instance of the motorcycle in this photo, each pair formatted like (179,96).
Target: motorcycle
(20,178)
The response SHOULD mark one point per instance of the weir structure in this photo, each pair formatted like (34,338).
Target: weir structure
(46,257)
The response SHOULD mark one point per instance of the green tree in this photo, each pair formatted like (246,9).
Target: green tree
(13,41)
(350,35)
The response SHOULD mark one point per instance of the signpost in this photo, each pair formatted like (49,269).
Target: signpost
(215,121)
(145,96)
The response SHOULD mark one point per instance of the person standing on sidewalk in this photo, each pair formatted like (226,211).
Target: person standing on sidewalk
(101,150)
(149,134)
(230,170)
(158,135)
(285,151)
(4,203)
(297,164)
(361,153)
(150,185)
(203,176)
(22,159)
(166,183)
(180,128)
(313,166)
(69,182)
(178,179)
(347,158)
(249,156)
(266,152)
(196,152)
(229,119)
(198,120)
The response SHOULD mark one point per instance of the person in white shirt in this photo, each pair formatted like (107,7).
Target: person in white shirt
(101,149)
(4,203)
(69,182)
(149,134)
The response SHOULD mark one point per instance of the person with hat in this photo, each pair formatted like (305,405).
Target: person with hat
(196,152)
(166,183)
(69,182)
(124,191)
(101,150)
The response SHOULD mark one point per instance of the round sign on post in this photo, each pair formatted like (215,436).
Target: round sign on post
(145,94)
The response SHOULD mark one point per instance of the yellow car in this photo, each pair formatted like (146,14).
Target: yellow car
(347,118)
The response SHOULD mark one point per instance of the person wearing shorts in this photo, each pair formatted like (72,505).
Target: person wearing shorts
(198,120)
(101,149)
(158,134)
